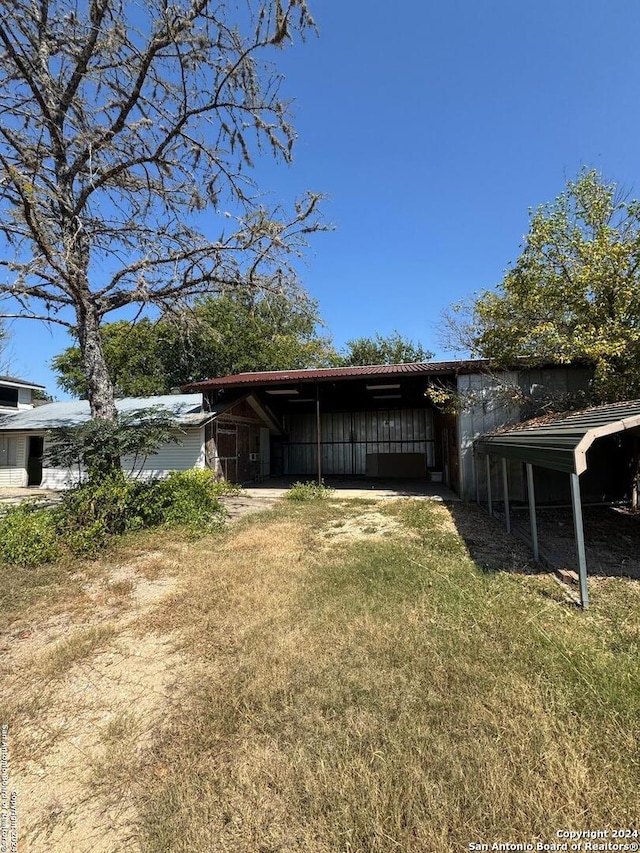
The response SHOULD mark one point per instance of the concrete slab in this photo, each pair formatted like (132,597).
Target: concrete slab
(361,487)
(15,494)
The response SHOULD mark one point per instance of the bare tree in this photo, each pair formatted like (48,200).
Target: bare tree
(127,136)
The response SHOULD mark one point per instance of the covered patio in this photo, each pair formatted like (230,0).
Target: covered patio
(375,422)
(361,487)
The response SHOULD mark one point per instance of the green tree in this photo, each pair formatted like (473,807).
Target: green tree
(218,336)
(128,134)
(380,349)
(574,292)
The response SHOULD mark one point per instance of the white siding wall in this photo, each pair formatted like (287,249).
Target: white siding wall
(18,476)
(189,453)
(486,410)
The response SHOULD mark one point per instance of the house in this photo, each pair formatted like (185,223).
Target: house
(199,430)
(16,395)
(376,420)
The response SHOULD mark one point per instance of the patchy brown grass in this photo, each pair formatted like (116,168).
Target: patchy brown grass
(325,677)
(386,694)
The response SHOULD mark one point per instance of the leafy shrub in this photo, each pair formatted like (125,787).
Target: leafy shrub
(91,512)
(187,498)
(309,491)
(28,536)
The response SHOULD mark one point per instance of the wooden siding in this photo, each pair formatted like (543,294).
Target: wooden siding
(187,454)
(18,476)
(347,438)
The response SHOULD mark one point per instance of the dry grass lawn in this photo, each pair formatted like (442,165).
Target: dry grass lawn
(327,677)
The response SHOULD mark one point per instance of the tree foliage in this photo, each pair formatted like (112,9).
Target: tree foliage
(574,292)
(218,336)
(381,349)
(98,446)
(128,133)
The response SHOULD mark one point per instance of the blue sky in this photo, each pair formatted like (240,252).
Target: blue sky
(433,128)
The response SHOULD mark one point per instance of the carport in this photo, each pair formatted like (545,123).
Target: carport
(559,443)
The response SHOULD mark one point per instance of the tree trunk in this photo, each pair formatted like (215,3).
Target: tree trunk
(635,474)
(99,385)
(100,453)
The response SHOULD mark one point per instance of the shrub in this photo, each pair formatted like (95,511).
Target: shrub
(91,512)
(28,536)
(187,498)
(309,491)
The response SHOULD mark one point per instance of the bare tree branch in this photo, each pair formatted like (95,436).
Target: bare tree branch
(127,136)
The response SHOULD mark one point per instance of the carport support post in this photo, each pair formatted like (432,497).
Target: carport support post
(318,438)
(579,531)
(532,513)
(505,490)
(474,463)
(489,501)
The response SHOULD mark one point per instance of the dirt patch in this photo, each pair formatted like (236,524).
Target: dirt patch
(371,524)
(85,691)
(237,506)
(612,540)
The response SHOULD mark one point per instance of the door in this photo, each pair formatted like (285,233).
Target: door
(227,442)
(265,452)
(34,460)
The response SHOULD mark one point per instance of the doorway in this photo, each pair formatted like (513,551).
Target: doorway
(34,460)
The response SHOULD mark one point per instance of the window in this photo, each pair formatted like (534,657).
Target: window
(8,397)
(8,452)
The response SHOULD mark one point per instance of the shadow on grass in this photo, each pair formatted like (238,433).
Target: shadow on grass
(489,544)
(612,540)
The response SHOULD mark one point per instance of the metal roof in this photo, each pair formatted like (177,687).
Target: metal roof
(185,409)
(272,377)
(23,383)
(561,441)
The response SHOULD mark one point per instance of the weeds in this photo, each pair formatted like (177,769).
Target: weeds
(309,491)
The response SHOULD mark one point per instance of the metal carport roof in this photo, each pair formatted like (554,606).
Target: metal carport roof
(561,441)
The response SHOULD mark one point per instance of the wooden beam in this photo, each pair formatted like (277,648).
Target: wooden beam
(489,501)
(318,435)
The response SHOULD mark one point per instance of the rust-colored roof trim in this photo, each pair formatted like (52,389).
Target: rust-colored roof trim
(327,374)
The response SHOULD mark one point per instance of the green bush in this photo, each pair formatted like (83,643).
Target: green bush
(93,511)
(187,498)
(28,536)
(308,492)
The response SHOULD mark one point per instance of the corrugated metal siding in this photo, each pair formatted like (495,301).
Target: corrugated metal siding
(331,373)
(347,437)
(18,476)
(486,410)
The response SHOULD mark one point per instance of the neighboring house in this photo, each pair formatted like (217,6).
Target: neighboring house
(16,395)
(198,430)
(377,420)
